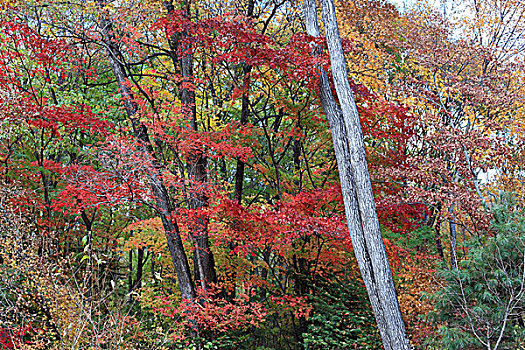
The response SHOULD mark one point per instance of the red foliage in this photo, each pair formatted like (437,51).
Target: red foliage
(215,314)
(13,338)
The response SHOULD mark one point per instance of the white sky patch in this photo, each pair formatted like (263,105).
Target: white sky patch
(448,8)
(402,5)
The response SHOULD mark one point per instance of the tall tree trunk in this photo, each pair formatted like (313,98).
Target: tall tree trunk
(245,110)
(130,275)
(245,106)
(355,184)
(197,164)
(164,206)
(240,167)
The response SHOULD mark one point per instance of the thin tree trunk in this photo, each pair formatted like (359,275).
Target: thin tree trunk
(297,147)
(240,167)
(435,224)
(140,268)
(355,184)
(130,274)
(152,267)
(164,207)
(453,239)
(437,240)
(301,269)
(239,171)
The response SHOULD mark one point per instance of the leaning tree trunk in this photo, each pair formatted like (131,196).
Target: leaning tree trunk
(164,206)
(356,187)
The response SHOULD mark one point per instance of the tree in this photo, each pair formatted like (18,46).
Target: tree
(165,207)
(482,303)
(355,183)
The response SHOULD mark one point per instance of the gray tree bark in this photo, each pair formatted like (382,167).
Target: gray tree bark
(355,183)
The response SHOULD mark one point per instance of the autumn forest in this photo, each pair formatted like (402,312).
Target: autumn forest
(262,174)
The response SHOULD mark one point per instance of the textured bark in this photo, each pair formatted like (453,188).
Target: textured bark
(171,229)
(355,184)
